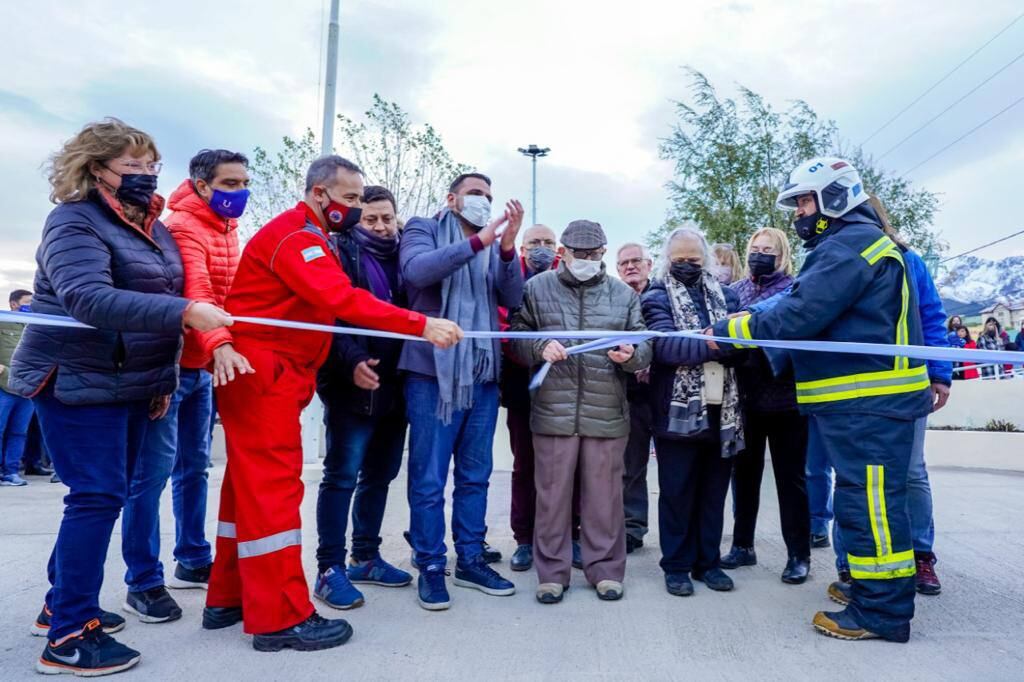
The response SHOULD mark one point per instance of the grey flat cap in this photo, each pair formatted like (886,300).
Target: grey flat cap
(584,235)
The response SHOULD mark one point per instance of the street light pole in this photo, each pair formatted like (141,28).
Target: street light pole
(331,82)
(533,151)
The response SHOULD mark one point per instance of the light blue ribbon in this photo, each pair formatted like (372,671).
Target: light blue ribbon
(601,339)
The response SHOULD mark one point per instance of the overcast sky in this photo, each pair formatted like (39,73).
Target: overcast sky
(593,81)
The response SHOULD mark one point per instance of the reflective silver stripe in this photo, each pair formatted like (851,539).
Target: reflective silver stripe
(876,481)
(870,383)
(883,568)
(226,530)
(269,544)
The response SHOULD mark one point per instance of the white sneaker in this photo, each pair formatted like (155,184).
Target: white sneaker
(609,590)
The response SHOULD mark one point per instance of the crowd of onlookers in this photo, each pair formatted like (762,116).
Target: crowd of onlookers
(992,336)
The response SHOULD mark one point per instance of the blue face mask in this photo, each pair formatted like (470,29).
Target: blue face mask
(24,308)
(229,204)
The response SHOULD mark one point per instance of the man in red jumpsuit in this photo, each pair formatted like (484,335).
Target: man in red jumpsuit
(288,271)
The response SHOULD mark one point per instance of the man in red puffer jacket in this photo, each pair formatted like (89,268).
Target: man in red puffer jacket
(205,210)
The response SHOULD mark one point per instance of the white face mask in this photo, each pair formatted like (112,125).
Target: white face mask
(584,270)
(476,210)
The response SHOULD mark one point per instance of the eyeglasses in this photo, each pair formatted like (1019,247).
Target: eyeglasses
(632,262)
(138,168)
(589,254)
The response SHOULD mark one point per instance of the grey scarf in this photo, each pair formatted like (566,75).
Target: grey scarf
(688,414)
(465,300)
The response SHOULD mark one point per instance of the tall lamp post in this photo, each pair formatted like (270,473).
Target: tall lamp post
(533,151)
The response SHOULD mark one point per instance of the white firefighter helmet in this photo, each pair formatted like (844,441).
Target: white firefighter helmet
(835,183)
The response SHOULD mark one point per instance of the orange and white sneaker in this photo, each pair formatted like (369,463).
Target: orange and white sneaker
(90,652)
(111,622)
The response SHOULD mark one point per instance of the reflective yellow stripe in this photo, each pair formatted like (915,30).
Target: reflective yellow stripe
(886,567)
(849,387)
(739,328)
(872,511)
(902,329)
(874,252)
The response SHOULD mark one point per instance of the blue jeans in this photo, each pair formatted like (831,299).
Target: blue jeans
(819,487)
(469,437)
(919,501)
(15,415)
(177,446)
(364,454)
(93,448)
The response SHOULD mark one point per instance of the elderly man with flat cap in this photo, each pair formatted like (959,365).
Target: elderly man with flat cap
(579,415)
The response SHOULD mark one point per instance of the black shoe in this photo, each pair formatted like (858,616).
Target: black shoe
(633,544)
(217,617)
(490,555)
(797,570)
(716,579)
(820,541)
(38,470)
(110,622)
(522,560)
(55,479)
(679,584)
(153,606)
(313,634)
(89,654)
(190,578)
(739,556)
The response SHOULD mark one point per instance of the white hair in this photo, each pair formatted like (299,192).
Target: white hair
(689,231)
(644,251)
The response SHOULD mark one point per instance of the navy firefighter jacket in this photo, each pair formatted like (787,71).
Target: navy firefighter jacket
(854,286)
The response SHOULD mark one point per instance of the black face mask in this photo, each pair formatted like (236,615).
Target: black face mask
(810,226)
(137,189)
(686,273)
(760,264)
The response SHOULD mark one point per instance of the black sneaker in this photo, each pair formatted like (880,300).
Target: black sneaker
(38,470)
(313,634)
(190,578)
(633,544)
(715,578)
(217,617)
(111,622)
(489,554)
(820,541)
(91,653)
(679,584)
(153,606)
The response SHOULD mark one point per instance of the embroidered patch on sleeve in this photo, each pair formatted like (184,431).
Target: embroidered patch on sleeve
(312,253)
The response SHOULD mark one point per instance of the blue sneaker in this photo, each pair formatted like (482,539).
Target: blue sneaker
(432,592)
(479,576)
(334,589)
(13,480)
(377,572)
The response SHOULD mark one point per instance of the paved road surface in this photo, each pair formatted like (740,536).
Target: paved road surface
(760,631)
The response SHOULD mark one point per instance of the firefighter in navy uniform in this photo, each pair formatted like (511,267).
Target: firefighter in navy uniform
(854,287)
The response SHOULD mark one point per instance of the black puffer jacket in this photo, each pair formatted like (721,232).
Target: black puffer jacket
(586,394)
(334,382)
(100,270)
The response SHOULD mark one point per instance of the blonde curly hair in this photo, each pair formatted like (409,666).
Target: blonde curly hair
(69,170)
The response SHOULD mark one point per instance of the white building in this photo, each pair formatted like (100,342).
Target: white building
(1009,313)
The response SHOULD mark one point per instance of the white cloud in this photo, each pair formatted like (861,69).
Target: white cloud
(592,80)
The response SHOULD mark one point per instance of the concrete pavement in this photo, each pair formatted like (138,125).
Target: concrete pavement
(760,631)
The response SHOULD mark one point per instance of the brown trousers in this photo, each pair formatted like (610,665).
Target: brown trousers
(602,530)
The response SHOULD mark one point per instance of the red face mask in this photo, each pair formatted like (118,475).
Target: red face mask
(340,217)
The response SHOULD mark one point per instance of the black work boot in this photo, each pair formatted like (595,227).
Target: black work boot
(313,634)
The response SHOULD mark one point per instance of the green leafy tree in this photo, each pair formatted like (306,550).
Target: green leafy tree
(732,156)
(409,160)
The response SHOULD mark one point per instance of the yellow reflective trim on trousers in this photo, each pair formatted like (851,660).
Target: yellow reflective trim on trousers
(880,482)
(872,509)
(877,250)
(849,387)
(887,567)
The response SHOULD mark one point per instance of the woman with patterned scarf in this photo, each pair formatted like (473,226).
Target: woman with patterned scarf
(698,424)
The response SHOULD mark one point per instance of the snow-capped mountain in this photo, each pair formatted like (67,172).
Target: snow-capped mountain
(979,280)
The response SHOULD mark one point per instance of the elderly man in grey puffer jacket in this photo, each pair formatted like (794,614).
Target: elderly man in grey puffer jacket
(580,416)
